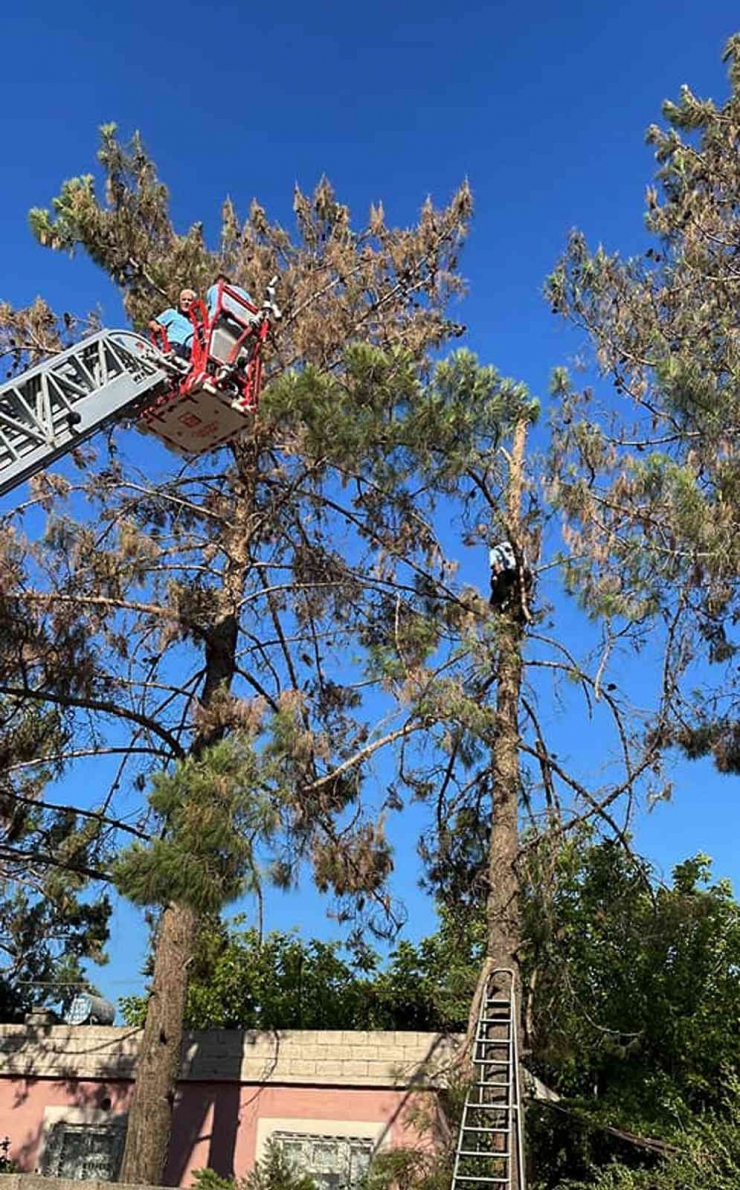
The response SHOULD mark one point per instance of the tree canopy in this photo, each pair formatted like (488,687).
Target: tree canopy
(245,634)
(647,476)
(49,917)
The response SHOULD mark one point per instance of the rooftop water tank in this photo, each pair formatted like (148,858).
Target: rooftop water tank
(90,1010)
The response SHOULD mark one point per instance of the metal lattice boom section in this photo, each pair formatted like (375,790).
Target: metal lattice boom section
(47,410)
(490,1147)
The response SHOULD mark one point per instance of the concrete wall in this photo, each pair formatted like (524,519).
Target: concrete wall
(27,1181)
(235,1088)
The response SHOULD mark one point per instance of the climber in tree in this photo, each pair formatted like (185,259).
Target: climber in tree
(504,575)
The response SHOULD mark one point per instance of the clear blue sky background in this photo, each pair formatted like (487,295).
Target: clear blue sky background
(542,106)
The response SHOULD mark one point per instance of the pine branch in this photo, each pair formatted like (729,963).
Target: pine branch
(93,704)
(93,815)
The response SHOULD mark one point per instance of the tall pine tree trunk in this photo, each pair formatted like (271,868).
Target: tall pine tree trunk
(503,934)
(503,910)
(504,930)
(503,917)
(150,1115)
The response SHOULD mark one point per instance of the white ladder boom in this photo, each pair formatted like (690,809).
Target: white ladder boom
(48,410)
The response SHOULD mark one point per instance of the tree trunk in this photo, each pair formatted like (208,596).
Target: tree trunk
(503,919)
(503,895)
(502,913)
(504,933)
(150,1115)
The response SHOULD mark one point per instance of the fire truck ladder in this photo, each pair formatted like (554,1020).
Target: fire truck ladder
(490,1147)
(46,411)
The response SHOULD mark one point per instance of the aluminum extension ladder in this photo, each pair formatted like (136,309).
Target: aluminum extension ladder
(490,1147)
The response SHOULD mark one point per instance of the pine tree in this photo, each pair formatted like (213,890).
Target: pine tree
(647,478)
(49,919)
(213,610)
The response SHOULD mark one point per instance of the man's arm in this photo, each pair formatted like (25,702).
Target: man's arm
(162,321)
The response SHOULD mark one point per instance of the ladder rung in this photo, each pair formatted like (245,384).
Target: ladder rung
(496,1123)
(462,1177)
(504,1155)
(480,1128)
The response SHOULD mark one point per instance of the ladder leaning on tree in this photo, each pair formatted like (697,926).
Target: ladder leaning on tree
(490,1147)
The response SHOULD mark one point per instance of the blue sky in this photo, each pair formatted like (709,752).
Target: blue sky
(543,107)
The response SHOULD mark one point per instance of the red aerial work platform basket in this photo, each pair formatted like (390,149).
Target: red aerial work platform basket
(220,389)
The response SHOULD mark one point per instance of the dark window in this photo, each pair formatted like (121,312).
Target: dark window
(84,1150)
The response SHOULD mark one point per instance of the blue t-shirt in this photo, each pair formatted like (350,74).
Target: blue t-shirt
(212,298)
(179,328)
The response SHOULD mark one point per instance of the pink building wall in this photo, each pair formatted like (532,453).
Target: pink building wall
(214,1124)
(234,1088)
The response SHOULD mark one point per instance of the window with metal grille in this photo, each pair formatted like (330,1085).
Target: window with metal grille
(334,1162)
(84,1151)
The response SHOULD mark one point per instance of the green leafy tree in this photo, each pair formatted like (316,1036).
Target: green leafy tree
(241,980)
(637,1004)
(706,1156)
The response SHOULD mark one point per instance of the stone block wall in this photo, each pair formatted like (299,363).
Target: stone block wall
(321,1058)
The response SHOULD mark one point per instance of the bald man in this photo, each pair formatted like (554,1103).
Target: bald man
(177,325)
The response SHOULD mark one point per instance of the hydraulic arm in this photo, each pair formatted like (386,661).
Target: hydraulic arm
(48,410)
